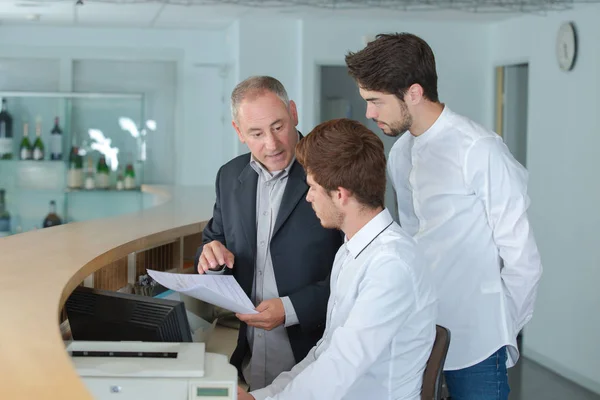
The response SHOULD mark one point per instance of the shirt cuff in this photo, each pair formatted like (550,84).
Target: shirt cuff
(217,272)
(290,313)
(260,394)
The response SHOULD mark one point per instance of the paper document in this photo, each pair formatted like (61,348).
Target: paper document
(219,290)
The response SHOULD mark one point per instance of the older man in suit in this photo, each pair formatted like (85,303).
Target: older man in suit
(266,234)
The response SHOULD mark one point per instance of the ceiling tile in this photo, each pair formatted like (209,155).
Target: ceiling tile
(209,16)
(123,15)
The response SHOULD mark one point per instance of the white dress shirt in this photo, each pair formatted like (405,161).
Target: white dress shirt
(463,197)
(380,323)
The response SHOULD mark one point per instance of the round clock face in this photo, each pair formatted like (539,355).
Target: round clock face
(566,46)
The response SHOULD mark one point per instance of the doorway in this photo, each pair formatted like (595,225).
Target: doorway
(339,98)
(512,87)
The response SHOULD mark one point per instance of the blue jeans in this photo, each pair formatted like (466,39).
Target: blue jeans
(487,380)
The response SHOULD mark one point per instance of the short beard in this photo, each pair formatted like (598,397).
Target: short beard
(337,219)
(398,128)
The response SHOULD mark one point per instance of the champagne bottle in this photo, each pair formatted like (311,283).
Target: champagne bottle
(102,173)
(89,176)
(75,173)
(4,216)
(129,177)
(52,219)
(38,145)
(120,181)
(6,133)
(56,137)
(25,150)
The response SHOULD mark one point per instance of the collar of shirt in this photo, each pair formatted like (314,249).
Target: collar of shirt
(437,127)
(368,233)
(266,174)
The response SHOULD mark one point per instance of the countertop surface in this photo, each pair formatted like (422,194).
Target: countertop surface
(39,269)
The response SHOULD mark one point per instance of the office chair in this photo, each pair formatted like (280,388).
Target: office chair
(433,375)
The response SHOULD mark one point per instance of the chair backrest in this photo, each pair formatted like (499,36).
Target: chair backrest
(433,375)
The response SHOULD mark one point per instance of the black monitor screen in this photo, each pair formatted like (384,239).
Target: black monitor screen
(101,315)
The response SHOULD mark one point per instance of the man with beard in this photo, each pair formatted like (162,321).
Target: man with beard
(463,197)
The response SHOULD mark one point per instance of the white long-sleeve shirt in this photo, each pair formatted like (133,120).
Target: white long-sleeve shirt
(463,197)
(380,323)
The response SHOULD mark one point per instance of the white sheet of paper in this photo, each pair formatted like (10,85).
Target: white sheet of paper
(219,290)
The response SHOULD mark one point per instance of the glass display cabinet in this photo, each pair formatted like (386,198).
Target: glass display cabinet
(84,151)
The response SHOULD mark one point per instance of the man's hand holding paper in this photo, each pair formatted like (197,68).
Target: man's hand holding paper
(271,314)
(219,290)
(214,255)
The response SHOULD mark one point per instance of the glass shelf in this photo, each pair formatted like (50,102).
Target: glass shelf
(109,190)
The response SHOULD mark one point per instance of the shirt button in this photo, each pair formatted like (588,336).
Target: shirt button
(262,243)
(260,273)
(260,334)
(268,183)
(264,213)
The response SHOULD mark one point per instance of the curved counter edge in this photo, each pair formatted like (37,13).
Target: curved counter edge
(39,270)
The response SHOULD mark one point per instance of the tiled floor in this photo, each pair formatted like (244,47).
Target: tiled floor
(530,381)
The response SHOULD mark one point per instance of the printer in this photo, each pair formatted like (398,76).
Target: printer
(153,371)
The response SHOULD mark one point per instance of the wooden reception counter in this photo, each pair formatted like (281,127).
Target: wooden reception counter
(39,270)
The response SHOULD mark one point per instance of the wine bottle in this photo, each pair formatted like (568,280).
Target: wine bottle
(129,177)
(102,173)
(6,133)
(75,173)
(120,181)
(4,216)
(38,145)
(56,137)
(25,151)
(89,176)
(52,219)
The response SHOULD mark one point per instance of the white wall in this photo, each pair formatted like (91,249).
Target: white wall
(268,46)
(199,54)
(562,157)
(462,53)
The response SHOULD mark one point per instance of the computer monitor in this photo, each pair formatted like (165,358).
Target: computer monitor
(101,315)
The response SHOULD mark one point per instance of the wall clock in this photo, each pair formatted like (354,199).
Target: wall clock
(566,46)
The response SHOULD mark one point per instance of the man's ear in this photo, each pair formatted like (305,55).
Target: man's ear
(414,94)
(294,112)
(238,131)
(343,195)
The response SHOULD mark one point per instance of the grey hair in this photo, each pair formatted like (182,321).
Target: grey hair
(254,85)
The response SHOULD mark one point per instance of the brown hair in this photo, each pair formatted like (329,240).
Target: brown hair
(345,153)
(392,63)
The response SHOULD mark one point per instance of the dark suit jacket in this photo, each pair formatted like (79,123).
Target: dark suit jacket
(301,249)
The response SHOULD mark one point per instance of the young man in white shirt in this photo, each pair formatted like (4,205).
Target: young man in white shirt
(463,197)
(380,325)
